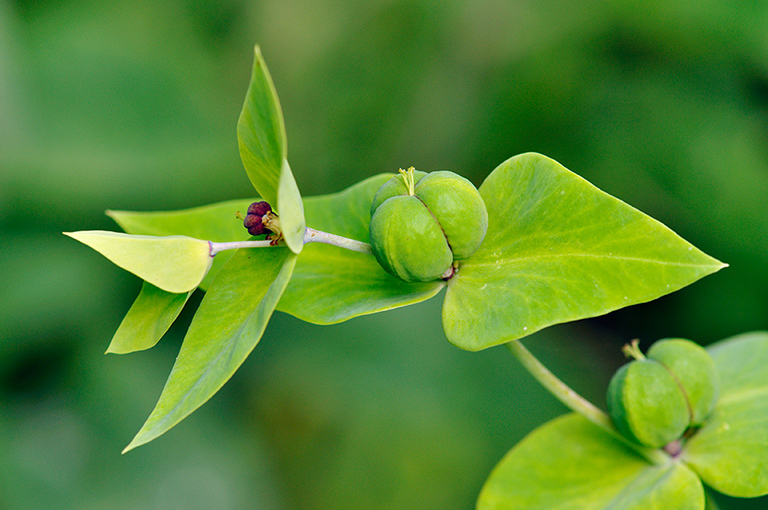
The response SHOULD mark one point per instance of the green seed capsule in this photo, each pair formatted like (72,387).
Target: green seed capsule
(646,403)
(460,209)
(695,372)
(421,223)
(394,187)
(408,240)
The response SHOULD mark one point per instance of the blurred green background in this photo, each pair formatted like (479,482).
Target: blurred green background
(133,105)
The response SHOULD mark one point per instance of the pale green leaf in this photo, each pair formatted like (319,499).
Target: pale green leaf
(148,319)
(558,249)
(262,142)
(226,328)
(176,264)
(730,452)
(215,222)
(331,284)
(571,464)
(291,210)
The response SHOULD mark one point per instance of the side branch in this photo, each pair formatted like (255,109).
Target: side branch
(576,402)
(317,236)
(310,236)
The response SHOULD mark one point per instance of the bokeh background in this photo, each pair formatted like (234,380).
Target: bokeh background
(133,105)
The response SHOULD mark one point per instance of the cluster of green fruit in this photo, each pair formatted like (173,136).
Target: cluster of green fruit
(659,398)
(423,224)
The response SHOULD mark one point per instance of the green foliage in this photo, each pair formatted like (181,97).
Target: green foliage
(570,463)
(215,222)
(149,318)
(226,328)
(174,263)
(730,450)
(261,136)
(557,249)
(587,467)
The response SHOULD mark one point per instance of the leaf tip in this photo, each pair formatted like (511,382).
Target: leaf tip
(139,439)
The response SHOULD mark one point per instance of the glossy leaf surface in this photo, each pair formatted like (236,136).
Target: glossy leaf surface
(175,264)
(558,249)
(331,284)
(214,222)
(569,463)
(148,319)
(731,451)
(226,328)
(261,137)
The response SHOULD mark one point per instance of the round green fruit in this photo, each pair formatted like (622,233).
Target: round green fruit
(396,186)
(646,403)
(407,240)
(460,209)
(694,370)
(421,223)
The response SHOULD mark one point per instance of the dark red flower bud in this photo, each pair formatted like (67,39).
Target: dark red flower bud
(253,220)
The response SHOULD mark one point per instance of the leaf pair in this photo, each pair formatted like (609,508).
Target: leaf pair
(571,463)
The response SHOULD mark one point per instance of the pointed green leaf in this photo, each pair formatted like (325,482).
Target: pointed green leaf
(176,264)
(558,249)
(226,328)
(730,452)
(331,284)
(214,222)
(291,210)
(149,318)
(261,137)
(570,463)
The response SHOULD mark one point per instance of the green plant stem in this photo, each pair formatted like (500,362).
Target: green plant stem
(310,236)
(576,402)
(318,236)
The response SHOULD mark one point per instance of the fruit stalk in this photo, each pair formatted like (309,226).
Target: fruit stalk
(576,402)
(310,236)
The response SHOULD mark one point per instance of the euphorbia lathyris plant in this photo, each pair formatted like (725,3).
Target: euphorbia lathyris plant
(534,246)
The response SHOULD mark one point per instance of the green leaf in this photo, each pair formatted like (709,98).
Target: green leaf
(730,452)
(149,318)
(570,463)
(176,264)
(558,249)
(214,222)
(331,284)
(261,137)
(226,328)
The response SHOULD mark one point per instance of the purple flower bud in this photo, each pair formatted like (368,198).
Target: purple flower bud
(253,220)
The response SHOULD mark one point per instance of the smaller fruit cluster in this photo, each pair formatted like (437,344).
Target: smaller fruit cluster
(655,399)
(254,219)
(421,223)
